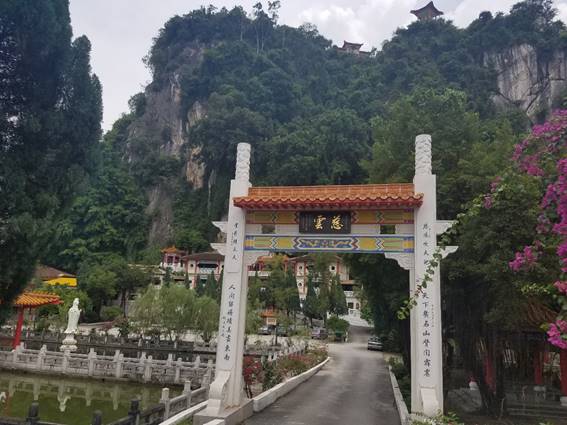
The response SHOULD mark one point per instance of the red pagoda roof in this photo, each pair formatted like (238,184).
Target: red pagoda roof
(36,299)
(173,250)
(366,196)
(347,44)
(429,11)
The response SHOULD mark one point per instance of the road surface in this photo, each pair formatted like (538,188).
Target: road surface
(352,389)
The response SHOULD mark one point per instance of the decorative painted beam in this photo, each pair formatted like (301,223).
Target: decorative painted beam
(383,216)
(339,243)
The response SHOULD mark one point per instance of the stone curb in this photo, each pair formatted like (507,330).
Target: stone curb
(400,404)
(185,414)
(268,397)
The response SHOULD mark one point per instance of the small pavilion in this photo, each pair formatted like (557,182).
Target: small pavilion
(427,12)
(29,300)
(353,49)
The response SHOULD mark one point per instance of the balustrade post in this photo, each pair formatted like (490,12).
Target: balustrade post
(92,358)
(134,411)
(148,369)
(33,414)
(178,365)
(118,368)
(15,352)
(164,399)
(41,357)
(187,392)
(141,363)
(97,418)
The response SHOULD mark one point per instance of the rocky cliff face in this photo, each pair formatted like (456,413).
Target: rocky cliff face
(164,127)
(528,81)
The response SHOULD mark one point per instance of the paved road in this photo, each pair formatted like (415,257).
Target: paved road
(352,389)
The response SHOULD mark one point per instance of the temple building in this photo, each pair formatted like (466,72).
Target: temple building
(52,276)
(427,12)
(196,268)
(200,266)
(172,259)
(353,49)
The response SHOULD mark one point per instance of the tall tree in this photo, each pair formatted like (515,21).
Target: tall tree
(50,113)
(293,304)
(311,303)
(212,289)
(338,304)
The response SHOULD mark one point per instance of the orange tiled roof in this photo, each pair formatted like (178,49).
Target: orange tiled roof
(268,313)
(36,299)
(173,250)
(205,256)
(365,196)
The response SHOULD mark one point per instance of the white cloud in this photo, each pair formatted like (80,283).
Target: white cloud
(562,12)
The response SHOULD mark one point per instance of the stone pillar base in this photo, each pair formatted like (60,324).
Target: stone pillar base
(232,416)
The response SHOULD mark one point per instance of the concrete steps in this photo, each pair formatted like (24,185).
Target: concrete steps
(538,410)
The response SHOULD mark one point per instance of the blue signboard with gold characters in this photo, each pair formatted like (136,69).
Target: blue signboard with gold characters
(328,222)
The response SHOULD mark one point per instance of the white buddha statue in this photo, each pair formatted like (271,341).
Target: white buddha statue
(69,343)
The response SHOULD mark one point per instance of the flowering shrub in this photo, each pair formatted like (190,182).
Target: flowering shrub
(293,365)
(270,374)
(543,155)
(253,373)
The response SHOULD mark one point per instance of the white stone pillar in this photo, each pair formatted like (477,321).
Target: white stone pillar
(427,367)
(227,390)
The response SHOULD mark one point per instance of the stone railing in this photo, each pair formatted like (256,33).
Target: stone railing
(144,369)
(154,415)
(290,351)
(108,344)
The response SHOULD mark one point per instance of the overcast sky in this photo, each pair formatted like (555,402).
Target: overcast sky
(121,31)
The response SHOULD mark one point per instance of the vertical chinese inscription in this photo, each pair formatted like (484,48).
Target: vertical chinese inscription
(426,317)
(227,324)
(234,252)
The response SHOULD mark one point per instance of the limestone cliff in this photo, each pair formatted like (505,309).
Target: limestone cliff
(527,80)
(163,128)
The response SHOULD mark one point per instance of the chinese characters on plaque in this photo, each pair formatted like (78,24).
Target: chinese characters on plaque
(426,320)
(330,222)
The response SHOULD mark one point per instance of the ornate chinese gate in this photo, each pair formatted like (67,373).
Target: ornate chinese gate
(340,219)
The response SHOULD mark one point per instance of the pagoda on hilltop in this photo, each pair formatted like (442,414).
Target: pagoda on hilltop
(353,49)
(427,12)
